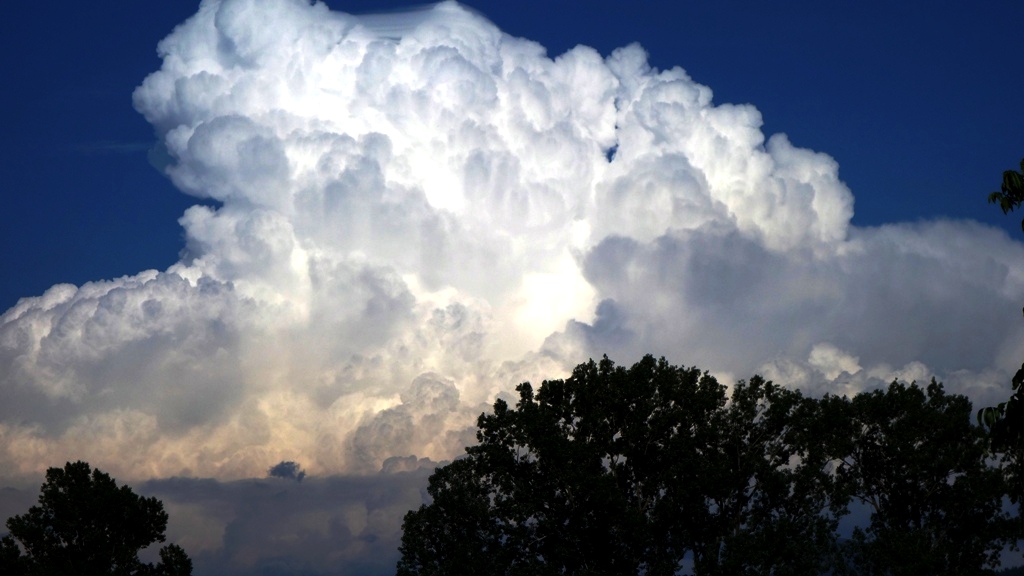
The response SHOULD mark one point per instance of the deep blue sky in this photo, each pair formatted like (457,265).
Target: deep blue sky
(920,103)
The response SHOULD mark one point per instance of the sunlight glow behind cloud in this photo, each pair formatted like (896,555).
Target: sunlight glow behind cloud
(418,212)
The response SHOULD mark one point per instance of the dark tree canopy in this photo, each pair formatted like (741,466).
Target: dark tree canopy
(914,458)
(85,524)
(656,470)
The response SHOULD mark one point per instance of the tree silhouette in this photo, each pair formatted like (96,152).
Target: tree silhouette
(632,471)
(656,470)
(85,524)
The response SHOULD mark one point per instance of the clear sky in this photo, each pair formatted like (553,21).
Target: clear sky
(294,235)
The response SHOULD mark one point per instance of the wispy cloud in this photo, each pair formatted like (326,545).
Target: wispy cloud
(113,147)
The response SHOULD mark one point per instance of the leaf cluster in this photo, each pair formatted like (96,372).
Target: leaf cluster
(1010,195)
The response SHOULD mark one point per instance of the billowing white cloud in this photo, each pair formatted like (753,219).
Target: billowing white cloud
(413,213)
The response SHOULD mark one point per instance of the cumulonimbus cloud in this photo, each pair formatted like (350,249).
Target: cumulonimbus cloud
(414,213)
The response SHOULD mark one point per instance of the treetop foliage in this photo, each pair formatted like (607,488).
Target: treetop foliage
(85,524)
(659,469)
